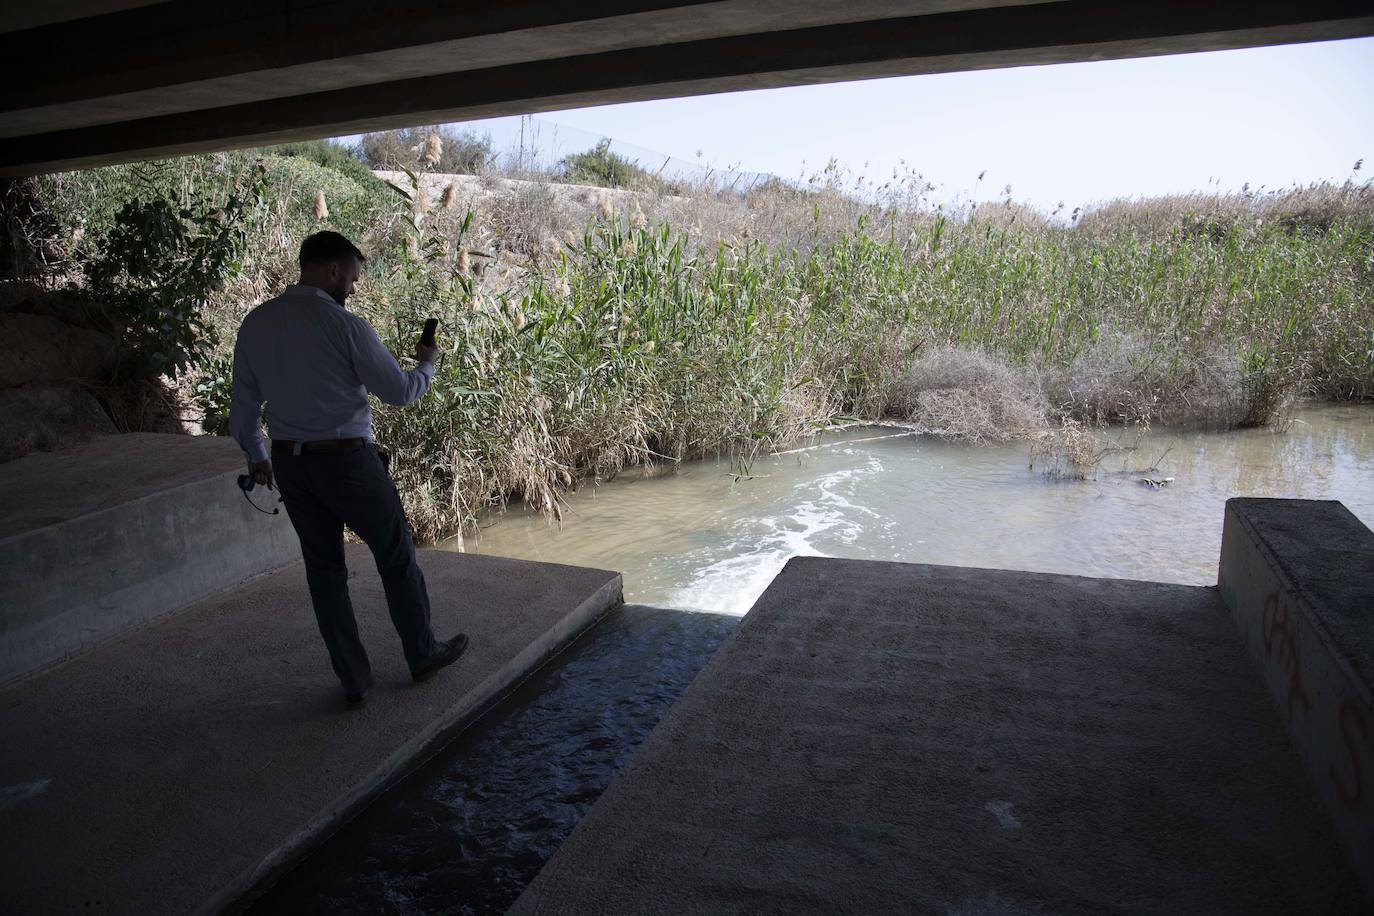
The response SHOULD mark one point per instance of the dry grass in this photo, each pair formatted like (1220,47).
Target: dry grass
(1310,208)
(1069,450)
(966,394)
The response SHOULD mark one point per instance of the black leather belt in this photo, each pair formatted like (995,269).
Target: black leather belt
(319,445)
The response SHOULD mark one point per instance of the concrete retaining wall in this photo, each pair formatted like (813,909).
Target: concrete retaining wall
(1298,577)
(68,585)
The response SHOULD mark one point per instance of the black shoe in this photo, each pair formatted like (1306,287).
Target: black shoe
(446,654)
(358,700)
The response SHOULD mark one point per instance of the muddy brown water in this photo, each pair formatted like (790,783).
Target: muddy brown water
(702,539)
(468,831)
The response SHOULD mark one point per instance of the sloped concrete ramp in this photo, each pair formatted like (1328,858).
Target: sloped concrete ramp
(892,738)
(119,531)
(173,768)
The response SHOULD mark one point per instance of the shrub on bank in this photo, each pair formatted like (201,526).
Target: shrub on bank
(599,166)
(441,148)
(329,155)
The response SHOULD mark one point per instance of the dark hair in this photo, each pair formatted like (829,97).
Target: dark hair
(323,247)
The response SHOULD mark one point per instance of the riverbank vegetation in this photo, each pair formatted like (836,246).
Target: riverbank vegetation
(587,329)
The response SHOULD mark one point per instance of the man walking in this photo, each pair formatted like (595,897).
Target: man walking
(314,363)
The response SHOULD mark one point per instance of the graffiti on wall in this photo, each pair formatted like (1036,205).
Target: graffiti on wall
(1355,746)
(1280,631)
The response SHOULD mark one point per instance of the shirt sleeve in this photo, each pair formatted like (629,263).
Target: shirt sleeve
(245,407)
(380,373)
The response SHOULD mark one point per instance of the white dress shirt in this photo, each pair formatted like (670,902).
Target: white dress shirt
(313,362)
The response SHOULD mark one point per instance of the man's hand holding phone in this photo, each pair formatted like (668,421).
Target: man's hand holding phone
(426,351)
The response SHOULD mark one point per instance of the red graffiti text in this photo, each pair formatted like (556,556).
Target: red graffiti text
(1280,631)
(1352,722)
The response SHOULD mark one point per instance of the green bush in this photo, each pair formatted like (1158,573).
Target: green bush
(158,266)
(328,154)
(599,166)
(213,393)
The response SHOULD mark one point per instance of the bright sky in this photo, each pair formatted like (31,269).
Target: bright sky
(1073,132)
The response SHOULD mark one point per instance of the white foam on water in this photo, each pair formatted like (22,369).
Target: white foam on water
(761,547)
(20,792)
(1002,811)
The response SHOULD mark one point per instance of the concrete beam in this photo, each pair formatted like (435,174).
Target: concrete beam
(1298,577)
(277,44)
(613,60)
(17,16)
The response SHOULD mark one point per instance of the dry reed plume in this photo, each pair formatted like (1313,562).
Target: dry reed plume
(433,150)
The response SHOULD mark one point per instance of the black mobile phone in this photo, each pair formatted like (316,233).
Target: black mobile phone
(427,335)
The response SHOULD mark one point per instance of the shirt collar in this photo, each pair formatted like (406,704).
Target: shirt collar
(300,289)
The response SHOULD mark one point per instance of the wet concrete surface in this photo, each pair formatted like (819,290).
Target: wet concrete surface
(468,831)
(892,738)
(172,768)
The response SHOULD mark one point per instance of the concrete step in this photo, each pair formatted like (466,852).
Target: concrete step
(181,764)
(895,738)
(119,531)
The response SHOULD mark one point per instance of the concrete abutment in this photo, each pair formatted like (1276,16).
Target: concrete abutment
(1298,579)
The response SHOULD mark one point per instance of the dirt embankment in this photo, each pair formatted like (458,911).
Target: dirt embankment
(577,198)
(59,368)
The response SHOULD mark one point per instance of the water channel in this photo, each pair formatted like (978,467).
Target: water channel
(467,832)
(699,538)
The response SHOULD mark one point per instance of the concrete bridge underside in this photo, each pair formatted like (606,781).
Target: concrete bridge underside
(92,82)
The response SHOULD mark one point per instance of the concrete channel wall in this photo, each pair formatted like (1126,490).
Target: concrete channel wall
(1298,577)
(85,576)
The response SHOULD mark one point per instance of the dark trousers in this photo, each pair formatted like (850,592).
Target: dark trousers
(323,491)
